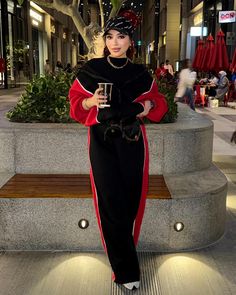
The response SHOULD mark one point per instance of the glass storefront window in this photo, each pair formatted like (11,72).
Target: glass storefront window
(17,51)
(1,54)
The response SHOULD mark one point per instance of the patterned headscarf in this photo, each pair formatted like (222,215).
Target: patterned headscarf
(222,73)
(120,24)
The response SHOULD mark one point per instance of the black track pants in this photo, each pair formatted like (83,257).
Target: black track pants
(117,168)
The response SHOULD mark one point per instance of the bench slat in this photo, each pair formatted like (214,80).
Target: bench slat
(67,186)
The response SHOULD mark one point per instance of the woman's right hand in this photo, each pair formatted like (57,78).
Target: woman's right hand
(96,100)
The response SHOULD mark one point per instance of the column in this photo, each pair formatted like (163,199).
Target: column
(173,30)
(68,47)
(59,41)
(184,30)
(47,39)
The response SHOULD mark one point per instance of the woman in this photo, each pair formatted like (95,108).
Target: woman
(58,67)
(117,144)
(222,86)
(185,85)
(161,72)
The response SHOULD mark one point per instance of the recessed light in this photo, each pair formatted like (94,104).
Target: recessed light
(83,223)
(178,226)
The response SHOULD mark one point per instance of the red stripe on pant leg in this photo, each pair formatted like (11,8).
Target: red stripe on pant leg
(95,200)
(139,217)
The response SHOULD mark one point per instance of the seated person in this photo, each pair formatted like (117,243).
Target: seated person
(233,79)
(222,86)
(213,84)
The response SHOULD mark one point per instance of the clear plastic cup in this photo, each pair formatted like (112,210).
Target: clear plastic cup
(107,91)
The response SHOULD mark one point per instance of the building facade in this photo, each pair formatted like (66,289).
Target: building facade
(169,31)
(29,35)
(182,23)
(150,33)
(201,18)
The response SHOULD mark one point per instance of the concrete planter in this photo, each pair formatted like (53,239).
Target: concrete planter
(182,152)
(179,147)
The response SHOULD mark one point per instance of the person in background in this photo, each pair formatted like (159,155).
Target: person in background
(161,72)
(68,68)
(222,86)
(233,79)
(233,138)
(47,67)
(213,84)
(187,79)
(58,67)
(169,68)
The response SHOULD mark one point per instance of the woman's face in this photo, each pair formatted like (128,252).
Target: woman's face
(117,43)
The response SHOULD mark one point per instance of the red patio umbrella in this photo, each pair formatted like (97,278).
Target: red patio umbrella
(219,60)
(197,61)
(208,52)
(233,63)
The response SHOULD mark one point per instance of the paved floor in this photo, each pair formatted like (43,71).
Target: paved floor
(224,120)
(210,271)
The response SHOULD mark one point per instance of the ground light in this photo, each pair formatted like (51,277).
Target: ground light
(83,223)
(178,226)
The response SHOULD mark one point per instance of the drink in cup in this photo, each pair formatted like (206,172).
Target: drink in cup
(106,90)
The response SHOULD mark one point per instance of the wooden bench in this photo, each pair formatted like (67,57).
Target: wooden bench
(67,186)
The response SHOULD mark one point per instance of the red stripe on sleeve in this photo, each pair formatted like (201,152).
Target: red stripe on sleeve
(160,105)
(77,94)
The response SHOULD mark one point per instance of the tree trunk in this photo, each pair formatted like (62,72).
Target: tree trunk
(91,34)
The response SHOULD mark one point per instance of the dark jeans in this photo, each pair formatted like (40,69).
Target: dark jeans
(190,98)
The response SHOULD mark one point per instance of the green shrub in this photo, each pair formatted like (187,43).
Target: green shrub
(45,101)
(168,88)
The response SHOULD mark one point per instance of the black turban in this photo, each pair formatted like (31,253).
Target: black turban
(120,24)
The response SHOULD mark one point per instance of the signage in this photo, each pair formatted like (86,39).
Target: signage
(198,31)
(227,16)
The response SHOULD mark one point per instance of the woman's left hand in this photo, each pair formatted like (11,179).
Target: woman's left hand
(147,107)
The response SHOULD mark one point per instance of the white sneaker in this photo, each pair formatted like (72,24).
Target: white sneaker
(132,285)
